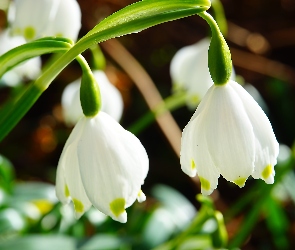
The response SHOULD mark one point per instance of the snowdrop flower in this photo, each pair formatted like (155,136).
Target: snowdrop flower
(189,71)
(29,69)
(103,165)
(112,102)
(49,18)
(67,20)
(229,134)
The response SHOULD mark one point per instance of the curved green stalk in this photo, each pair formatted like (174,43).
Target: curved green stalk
(219,16)
(170,103)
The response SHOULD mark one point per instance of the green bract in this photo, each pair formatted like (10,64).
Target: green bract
(219,57)
(89,90)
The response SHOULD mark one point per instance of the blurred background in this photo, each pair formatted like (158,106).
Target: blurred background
(261,36)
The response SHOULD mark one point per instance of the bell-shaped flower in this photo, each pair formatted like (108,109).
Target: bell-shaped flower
(112,102)
(229,134)
(103,165)
(67,20)
(49,18)
(29,69)
(189,71)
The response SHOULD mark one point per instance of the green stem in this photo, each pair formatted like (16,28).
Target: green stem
(98,59)
(203,215)
(169,104)
(219,16)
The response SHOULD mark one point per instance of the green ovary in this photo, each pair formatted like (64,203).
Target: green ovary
(205,183)
(267,171)
(67,191)
(193,165)
(117,206)
(79,207)
(29,33)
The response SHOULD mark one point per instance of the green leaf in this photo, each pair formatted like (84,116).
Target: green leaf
(277,223)
(103,242)
(11,221)
(142,15)
(32,49)
(37,242)
(30,191)
(6,174)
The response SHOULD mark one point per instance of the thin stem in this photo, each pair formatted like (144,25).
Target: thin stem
(219,16)
(171,103)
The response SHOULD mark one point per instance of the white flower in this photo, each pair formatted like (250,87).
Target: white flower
(229,134)
(189,71)
(34,19)
(67,20)
(29,69)
(112,102)
(103,165)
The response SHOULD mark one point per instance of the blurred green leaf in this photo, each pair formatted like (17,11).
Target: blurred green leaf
(11,221)
(174,213)
(196,242)
(40,242)
(103,242)
(33,191)
(6,174)
(277,223)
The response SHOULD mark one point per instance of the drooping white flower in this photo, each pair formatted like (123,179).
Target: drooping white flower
(189,71)
(67,20)
(112,102)
(229,134)
(34,19)
(29,69)
(103,165)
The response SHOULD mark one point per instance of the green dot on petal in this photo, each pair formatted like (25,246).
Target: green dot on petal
(240,182)
(29,33)
(205,183)
(67,191)
(267,171)
(193,164)
(79,207)
(117,206)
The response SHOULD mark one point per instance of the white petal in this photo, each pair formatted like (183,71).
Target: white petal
(112,101)
(141,196)
(266,145)
(32,24)
(207,171)
(70,100)
(113,165)
(229,135)
(186,151)
(66,21)
(68,179)
(194,150)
